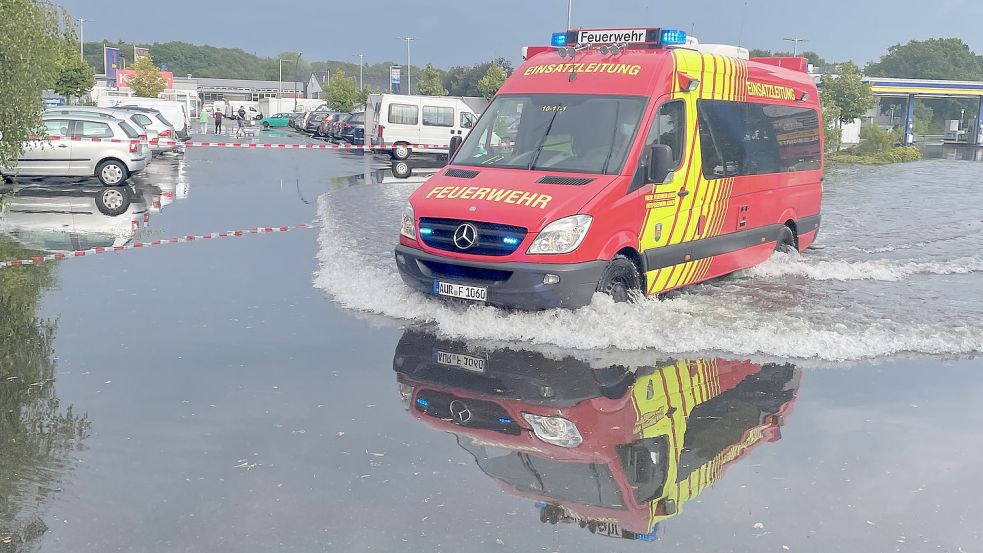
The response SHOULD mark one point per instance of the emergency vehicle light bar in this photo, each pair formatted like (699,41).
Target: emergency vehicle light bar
(656,37)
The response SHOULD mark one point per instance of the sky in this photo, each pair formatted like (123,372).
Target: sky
(464,32)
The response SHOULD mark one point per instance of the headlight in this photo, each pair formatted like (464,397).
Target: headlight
(561,236)
(408,228)
(554,430)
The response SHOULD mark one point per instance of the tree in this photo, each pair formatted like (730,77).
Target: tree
(28,60)
(848,92)
(937,58)
(342,93)
(75,77)
(37,433)
(429,84)
(831,117)
(493,80)
(146,80)
(462,80)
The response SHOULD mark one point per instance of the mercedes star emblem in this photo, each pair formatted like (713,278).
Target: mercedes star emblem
(466,236)
(460,411)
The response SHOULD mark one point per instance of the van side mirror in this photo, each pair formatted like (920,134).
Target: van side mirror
(660,163)
(456,141)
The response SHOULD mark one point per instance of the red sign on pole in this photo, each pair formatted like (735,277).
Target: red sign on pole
(123,78)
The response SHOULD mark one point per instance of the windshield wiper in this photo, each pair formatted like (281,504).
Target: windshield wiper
(614,135)
(539,149)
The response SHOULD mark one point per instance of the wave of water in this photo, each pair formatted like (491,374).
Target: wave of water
(755,313)
(878,269)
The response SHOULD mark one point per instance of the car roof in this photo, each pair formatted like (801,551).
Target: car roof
(95,117)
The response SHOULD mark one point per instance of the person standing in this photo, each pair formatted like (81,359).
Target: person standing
(218,122)
(203,121)
(242,112)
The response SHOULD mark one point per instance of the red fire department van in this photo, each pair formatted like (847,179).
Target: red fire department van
(616,451)
(624,161)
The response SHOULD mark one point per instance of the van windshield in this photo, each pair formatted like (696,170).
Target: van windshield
(555,132)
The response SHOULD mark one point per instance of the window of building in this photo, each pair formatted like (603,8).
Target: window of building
(740,139)
(403,114)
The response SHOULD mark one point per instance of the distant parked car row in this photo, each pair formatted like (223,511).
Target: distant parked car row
(348,127)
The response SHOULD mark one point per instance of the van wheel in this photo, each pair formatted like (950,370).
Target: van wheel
(786,241)
(620,280)
(112,201)
(401,151)
(8,180)
(111,172)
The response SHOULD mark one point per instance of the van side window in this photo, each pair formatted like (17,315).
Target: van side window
(434,116)
(467,120)
(739,138)
(669,128)
(403,114)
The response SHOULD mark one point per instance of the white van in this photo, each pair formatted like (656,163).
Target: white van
(399,121)
(176,113)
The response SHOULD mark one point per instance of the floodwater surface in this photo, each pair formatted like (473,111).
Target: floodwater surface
(285,392)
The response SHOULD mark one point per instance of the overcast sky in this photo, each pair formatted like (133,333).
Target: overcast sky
(453,32)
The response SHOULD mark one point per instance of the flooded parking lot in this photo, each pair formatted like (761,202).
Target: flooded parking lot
(285,391)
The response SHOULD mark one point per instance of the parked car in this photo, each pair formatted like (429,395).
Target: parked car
(276,120)
(400,121)
(296,121)
(348,126)
(329,126)
(314,121)
(57,155)
(175,112)
(153,128)
(160,122)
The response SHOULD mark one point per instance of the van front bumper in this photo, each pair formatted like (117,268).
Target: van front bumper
(515,284)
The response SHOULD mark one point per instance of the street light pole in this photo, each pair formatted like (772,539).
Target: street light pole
(361,84)
(82,21)
(296,69)
(409,77)
(795,44)
(279,94)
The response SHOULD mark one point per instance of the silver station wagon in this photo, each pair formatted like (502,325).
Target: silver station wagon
(96,154)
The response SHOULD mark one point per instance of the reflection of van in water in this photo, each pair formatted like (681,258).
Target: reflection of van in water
(399,121)
(612,450)
(628,169)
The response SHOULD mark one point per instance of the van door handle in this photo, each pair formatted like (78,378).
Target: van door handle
(63,145)
(683,193)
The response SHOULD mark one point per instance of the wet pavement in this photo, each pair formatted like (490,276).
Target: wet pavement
(285,392)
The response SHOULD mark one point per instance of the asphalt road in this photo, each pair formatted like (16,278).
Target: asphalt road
(207,396)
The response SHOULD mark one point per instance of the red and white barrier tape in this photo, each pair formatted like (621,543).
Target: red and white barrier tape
(282,146)
(38,260)
(252,145)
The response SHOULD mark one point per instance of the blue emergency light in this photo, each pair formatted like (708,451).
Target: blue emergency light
(510,241)
(672,36)
(559,39)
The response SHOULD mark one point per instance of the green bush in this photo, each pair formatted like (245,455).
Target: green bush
(900,154)
(875,140)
